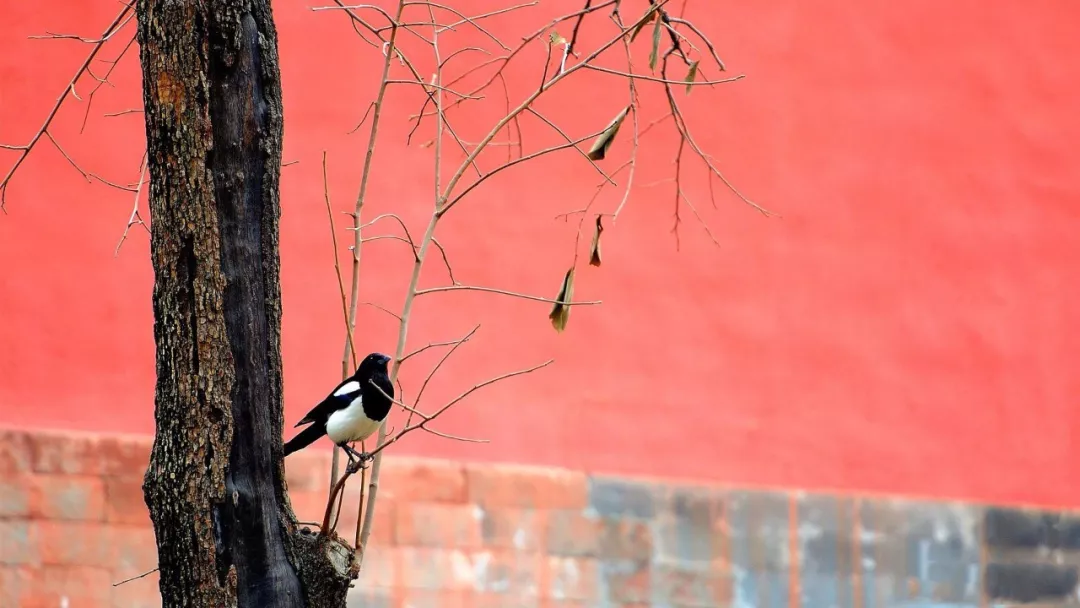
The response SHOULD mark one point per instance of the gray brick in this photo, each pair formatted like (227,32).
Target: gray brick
(826,550)
(1031,582)
(612,497)
(758,523)
(688,532)
(1028,529)
(760,589)
(928,550)
(820,542)
(825,591)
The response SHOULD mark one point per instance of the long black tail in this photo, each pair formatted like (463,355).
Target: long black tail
(305,438)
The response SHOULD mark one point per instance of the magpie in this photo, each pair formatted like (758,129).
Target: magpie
(352,411)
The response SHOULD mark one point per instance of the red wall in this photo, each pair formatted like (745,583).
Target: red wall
(906,326)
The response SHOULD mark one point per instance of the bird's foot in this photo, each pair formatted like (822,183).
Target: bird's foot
(359,463)
(350,452)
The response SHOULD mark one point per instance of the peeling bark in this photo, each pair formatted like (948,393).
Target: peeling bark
(215,486)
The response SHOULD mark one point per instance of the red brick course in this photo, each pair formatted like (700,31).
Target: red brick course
(73,522)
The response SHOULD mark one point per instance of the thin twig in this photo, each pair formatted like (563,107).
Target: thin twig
(569,144)
(383,309)
(428,347)
(635,134)
(684,133)
(354,295)
(506,59)
(514,294)
(435,369)
(567,138)
(704,38)
(123,113)
(104,38)
(452,183)
(435,86)
(363,119)
(454,401)
(68,89)
(412,410)
(696,83)
(485,16)
(418,262)
(134,218)
(577,26)
(470,20)
(434,241)
(104,80)
(350,344)
(136,577)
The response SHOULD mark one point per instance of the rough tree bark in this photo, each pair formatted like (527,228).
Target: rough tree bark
(215,486)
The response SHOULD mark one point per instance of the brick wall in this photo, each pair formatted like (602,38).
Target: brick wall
(449,535)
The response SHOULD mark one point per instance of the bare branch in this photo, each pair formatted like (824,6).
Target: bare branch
(577,26)
(104,38)
(123,113)
(567,138)
(418,262)
(470,20)
(435,86)
(382,446)
(526,103)
(363,119)
(135,218)
(69,88)
(382,308)
(505,293)
(104,80)
(506,59)
(426,418)
(394,21)
(435,369)
(454,437)
(461,51)
(696,83)
(701,221)
(434,241)
(136,577)
(570,144)
(486,15)
(354,294)
(684,132)
(350,344)
(432,345)
(396,218)
(704,38)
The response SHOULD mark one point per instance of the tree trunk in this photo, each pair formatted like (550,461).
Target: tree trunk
(215,486)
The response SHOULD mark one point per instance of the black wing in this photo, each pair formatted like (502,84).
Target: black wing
(376,405)
(342,395)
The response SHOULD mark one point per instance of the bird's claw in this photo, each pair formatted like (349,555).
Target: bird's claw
(358,463)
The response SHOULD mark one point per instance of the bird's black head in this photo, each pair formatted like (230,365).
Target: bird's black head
(372,365)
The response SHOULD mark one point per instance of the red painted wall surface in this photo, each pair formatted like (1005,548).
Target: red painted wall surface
(908,325)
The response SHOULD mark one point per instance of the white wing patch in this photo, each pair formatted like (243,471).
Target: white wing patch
(349,387)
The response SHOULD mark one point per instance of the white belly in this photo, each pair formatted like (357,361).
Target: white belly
(350,424)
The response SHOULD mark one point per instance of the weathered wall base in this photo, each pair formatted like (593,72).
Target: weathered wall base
(73,521)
